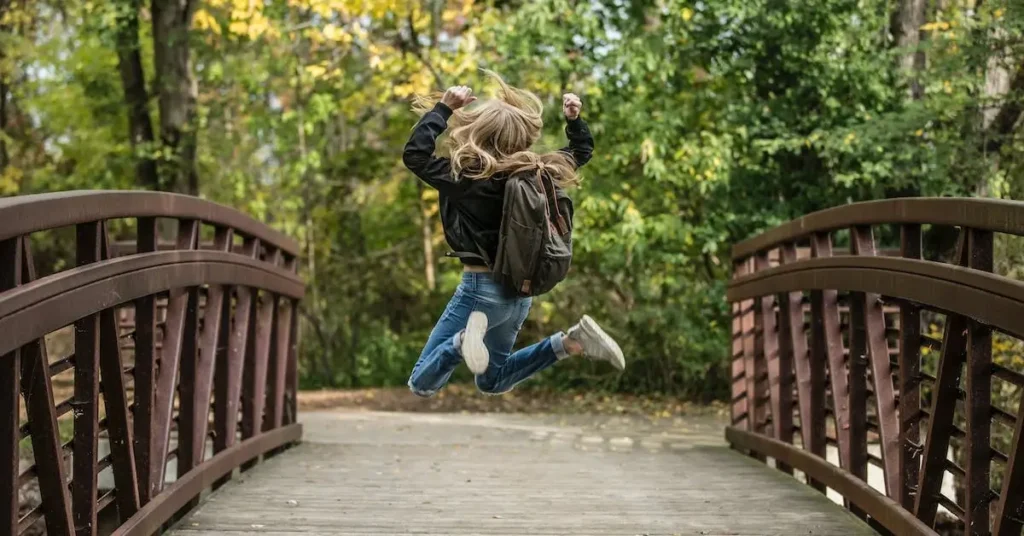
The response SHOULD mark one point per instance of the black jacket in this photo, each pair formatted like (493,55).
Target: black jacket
(471,209)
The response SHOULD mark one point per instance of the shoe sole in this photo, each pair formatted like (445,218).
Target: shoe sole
(618,360)
(473,349)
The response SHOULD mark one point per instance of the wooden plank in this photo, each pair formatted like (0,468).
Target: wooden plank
(86,395)
(863,242)
(10,399)
(361,473)
(910,388)
(37,389)
(115,401)
(178,345)
(944,398)
(977,444)
(827,347)
(810,380)
(145,373)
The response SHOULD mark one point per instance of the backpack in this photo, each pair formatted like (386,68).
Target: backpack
(535,240)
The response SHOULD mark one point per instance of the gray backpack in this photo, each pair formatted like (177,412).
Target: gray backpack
(535,241)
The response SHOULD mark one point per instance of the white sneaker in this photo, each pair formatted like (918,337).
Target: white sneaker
(474,351)
(597,344)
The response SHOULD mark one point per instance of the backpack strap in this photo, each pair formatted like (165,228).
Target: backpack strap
(548,187)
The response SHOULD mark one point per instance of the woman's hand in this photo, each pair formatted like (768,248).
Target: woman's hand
(457,96)
(571,106)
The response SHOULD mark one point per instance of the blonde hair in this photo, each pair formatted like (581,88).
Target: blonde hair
(494,136)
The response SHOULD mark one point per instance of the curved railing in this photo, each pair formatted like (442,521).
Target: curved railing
(833,375)
(180,366)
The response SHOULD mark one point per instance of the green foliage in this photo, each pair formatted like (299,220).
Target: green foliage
(713,120)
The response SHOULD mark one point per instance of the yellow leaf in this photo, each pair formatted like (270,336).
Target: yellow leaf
(316,71)
(919,133)
(932,26)
(687,14)
(202,20)
(238,27)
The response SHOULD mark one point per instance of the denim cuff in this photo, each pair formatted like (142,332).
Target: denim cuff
(558,346)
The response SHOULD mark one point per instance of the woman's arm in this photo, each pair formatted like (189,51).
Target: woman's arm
(581,142)
(419,150)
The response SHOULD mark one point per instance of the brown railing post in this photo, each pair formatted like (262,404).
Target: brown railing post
(944,398)
(37,389)
(762,398)
(741,409)
(10,399)
(857,372)
(863,243)
(910,379)
(978,401)
(827,347)
(779,368)
(179,345)
(292,414)
(1010,509)
(86,397)
(145,372)
(810,380)
(240,352)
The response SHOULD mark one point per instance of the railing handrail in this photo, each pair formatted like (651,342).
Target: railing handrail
(22,215)
(49,303)
(994,215)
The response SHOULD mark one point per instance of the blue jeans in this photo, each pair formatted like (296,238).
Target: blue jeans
(505,317)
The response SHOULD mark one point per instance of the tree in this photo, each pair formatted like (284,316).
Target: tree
(176,89)
(908,20)
(4,84)
(136,97)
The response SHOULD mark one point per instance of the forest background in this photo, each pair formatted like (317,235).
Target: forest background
(714,119)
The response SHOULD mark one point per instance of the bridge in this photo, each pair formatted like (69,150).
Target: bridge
(872,392)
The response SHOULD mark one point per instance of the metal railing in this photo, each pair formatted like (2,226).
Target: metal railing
(178,417)
(828,362)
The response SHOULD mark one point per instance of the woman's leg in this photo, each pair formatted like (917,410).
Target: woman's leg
(440,357)
(505,370)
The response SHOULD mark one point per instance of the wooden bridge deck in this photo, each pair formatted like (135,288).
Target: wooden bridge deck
(360,473)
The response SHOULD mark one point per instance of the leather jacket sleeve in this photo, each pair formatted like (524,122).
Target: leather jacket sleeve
(419,150)
(581,142)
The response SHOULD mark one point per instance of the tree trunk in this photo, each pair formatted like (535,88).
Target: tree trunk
(4,90)
(1001,121)
(177,88)
(427,228)
(906,30)
(136,97)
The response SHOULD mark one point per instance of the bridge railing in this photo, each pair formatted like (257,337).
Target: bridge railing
(839,371)
(125,423)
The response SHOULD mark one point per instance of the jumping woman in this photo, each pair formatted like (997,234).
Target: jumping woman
(489,143)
